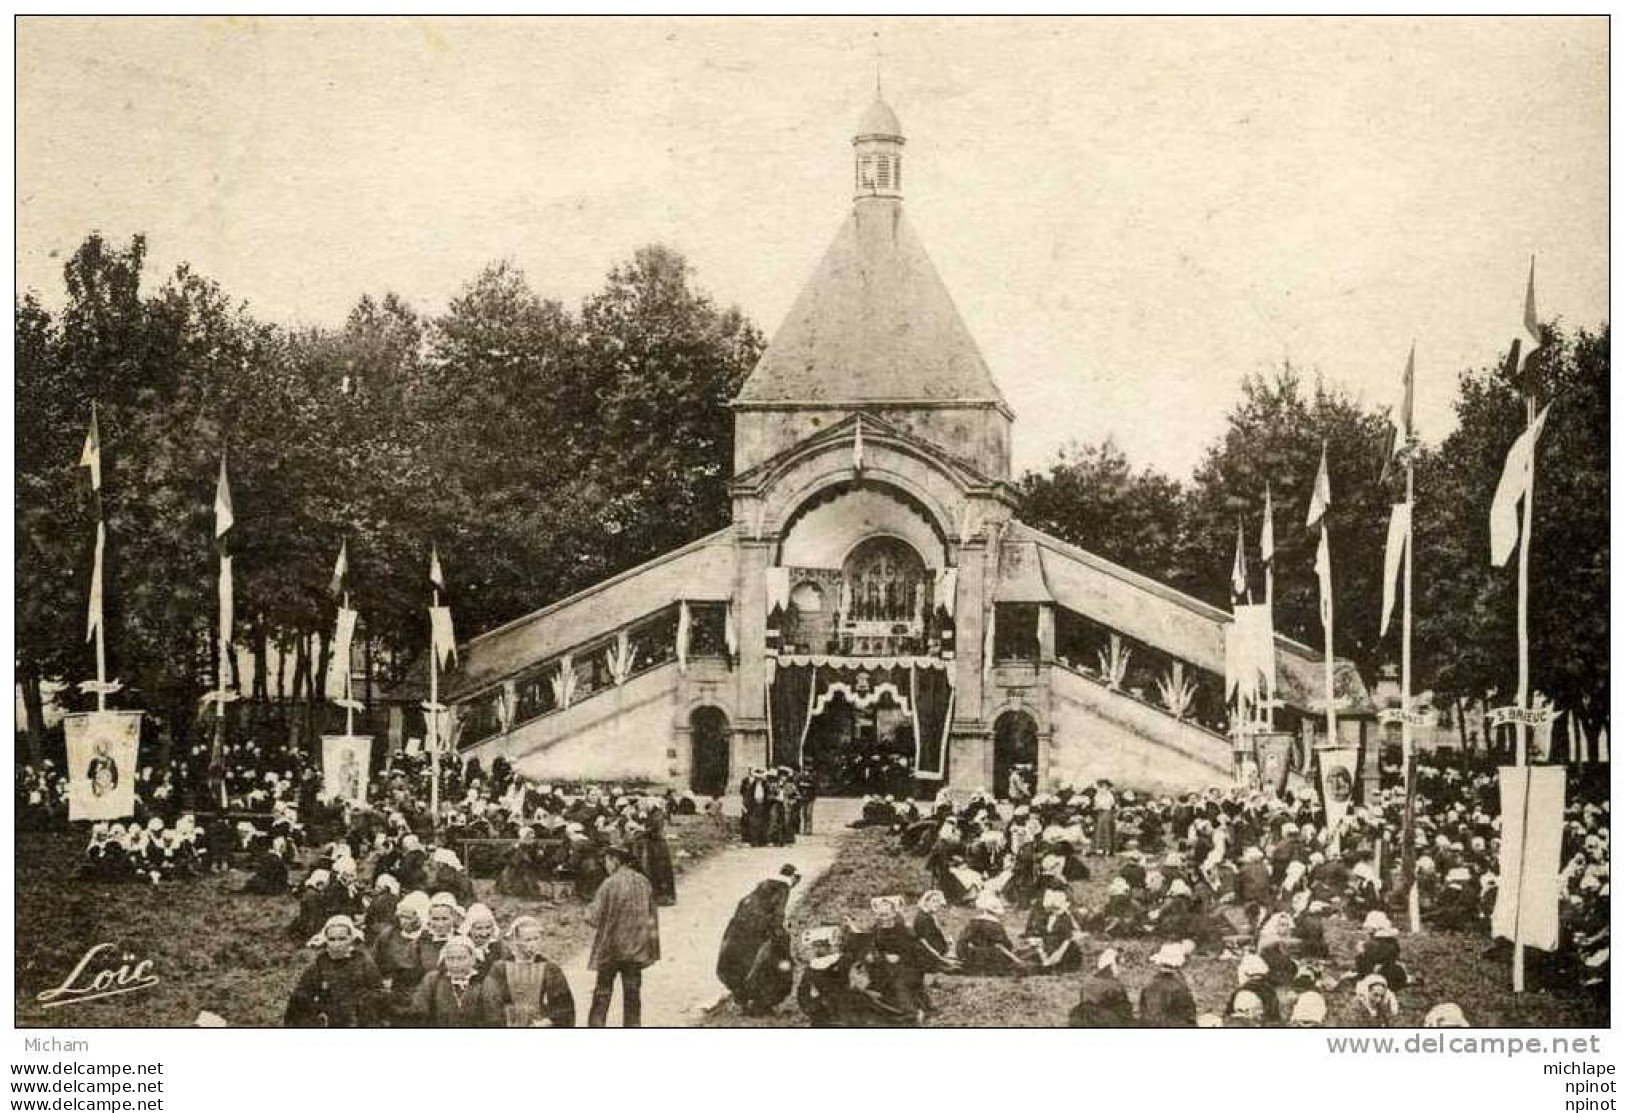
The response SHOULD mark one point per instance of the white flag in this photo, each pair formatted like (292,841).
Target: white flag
(1266,535)
(1531,323)
(223,516)
(442,637)
(1323,570)
(1516,478)
(1238,570)
(91,455)
(225,601)
(1526,897)
(95,619)
(339,671)
(1321,500)
(1399,532)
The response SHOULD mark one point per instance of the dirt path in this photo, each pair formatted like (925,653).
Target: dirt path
(683,984)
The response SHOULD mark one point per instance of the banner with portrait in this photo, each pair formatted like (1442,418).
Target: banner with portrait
(1337,783)
(102,748)
(346,766)
(1274,759)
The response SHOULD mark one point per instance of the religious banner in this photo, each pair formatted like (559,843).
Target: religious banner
(101,752)
(1337,784)
(1526,899)
(1274,759)
(346,766)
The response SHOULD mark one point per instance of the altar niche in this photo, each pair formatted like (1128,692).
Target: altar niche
(854,750)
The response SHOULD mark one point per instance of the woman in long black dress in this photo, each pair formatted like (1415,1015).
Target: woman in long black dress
(657,858)
(754,960)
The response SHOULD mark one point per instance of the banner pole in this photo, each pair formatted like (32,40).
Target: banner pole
(1406,733)
(434,728)
(349,679)
(1523,728)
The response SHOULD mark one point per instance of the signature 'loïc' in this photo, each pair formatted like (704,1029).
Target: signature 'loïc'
(99,973)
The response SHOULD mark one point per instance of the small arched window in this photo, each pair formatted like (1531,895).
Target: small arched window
(807,598)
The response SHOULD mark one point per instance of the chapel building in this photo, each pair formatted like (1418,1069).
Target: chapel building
(874,612)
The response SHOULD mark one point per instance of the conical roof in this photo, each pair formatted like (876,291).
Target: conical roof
(875,324)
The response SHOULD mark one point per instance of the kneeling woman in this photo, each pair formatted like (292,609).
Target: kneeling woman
(528,990)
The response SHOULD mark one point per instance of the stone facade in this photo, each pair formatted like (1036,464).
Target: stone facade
(872,536)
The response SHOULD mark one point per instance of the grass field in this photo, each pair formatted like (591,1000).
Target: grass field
(210,947)
(1452,967)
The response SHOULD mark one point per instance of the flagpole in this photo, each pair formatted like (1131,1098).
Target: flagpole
(1331,710)
(434,719)
(1407,741)
(349,679)
(101,560)
(1523,728)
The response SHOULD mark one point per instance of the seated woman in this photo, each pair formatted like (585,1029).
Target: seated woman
(380,914)
(313,906)
(1380,953)
(270,869)
(898,961)
(1054,934)
(1123,915)
(526,989)
(834,990)
(340,988)
(929,932)
(522,867)
(984,947)
(451,996)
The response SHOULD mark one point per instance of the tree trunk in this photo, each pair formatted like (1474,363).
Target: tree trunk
(34,712)
(261,659)
(1461,723)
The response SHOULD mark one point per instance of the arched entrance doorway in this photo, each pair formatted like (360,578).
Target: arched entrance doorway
(708,741)
(1015,746)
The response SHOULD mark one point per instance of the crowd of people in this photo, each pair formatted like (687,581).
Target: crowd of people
(775,805)
(1250,880)
(385,958)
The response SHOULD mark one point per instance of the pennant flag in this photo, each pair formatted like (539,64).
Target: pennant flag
(1407,407)
(91,455)
(223,518)
(1321,500)
(1531,338)
(1516,478)
(443,640)
(436,576)
(1323,570)
(341,569)
(1266,535)
(1256,653)
(225,601)
(1399,532)
(1526,897)
(339,671)
(95,620)
(1238,571)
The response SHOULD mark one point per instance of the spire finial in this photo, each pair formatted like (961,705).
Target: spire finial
(877,65)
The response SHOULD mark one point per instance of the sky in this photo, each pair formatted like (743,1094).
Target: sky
(1131,213)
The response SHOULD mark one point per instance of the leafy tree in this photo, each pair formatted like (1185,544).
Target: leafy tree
(1466,618)
(1092,497)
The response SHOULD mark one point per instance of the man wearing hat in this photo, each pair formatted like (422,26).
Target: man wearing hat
(626,938)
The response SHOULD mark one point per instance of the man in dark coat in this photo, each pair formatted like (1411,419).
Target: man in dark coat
(626,922)
(1102,1000)
(754,960)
